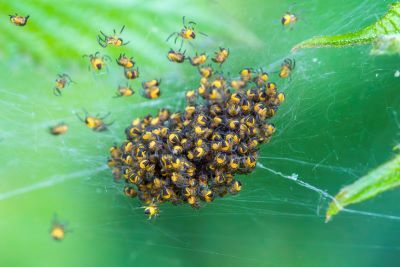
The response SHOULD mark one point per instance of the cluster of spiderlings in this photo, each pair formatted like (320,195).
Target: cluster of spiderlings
(194,155)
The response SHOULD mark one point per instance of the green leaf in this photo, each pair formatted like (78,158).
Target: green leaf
(388,24)
(381,179)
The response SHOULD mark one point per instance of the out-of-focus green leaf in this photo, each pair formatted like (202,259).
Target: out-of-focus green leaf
(60,34)
(388,24)
(381,179)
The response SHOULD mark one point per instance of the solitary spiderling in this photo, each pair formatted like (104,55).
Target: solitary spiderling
(18,20)
(114,40)
(187,33)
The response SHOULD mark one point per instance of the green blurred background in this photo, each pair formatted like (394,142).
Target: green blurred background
(340,119)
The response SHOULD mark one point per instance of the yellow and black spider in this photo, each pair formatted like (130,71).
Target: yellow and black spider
(198,59)
(61,82)
(151,210)
(126,62)
(97,62)
(152,92)
(124,91)
(19,20)
(287,67)
(59,129)
(114,40)
(221,55)
(289,19)
(176,56)
(187,32)
(96,123)
(58,230)
(151,83)
(131,73)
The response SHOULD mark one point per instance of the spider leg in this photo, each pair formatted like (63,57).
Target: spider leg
(202,33)
(69,79)
(105,116)
(79,117)
(110,123)
(181,45)
(123,27)
(183,21)
(67,76)
(107,57)
(172,34)
(294,63)
(126,43)
(101,42)
(101,38)
(86,112)
(57,92)
(103,34)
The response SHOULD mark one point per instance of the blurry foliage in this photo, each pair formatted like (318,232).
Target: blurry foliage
(388,24)
(383,178)
(384,34)
(49,40)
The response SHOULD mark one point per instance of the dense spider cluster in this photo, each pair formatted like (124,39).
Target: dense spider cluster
(193,156)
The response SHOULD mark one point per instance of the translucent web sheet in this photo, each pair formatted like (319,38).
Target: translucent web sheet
(340,119)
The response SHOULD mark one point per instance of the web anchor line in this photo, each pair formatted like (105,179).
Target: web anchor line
(294,177)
